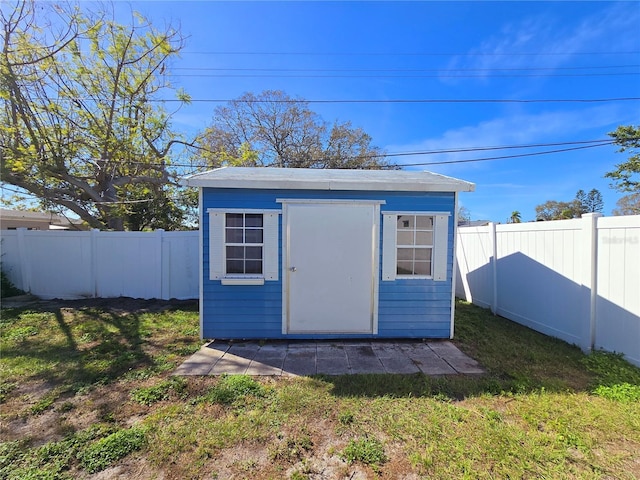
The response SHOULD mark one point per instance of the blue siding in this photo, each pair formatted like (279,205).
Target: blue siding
(406,308)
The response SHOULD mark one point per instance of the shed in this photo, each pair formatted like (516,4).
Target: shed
(291,253)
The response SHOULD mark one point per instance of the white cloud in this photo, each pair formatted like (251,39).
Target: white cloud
(513,129)
(612,29)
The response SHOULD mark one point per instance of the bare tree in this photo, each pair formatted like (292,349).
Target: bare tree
(274,130)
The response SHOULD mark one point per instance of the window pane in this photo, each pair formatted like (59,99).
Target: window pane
(253,220)
(253,235)
(405,254)
(422,268)
(253,253)
(234,219)
(235,266)
(405,268)
(405,237)
(405,221)
(233,235)
(423,254)
(235,253)
(424,222)
(424,238)
(253,266)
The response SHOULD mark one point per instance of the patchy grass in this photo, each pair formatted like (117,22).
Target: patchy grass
(88,389)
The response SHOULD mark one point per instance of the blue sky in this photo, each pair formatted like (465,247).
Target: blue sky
(387,51)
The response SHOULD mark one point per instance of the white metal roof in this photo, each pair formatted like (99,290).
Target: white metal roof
(327,179)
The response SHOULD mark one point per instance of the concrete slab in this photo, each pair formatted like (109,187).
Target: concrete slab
(330,358)
(362,359)
(460,362)
(427,361)
(300,361)
(201,362)
(269,360)
(400,364)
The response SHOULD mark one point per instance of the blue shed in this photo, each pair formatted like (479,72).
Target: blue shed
(314,254)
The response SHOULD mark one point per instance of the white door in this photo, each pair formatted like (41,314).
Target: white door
(330,267)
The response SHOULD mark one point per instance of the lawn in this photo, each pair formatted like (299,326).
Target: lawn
(87,390)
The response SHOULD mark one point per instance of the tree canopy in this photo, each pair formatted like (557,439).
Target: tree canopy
(626,176)
(581,204)
(628,205)
(79,125)
(272,129)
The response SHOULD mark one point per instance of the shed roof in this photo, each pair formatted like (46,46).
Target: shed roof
(327,179)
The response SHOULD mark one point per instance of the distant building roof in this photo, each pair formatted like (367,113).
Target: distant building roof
(23,218)
(327,179)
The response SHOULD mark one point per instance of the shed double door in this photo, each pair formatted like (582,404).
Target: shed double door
(330,265)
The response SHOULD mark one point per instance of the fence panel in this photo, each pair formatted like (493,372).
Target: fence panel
(578,280)
(71,265)
(618,280)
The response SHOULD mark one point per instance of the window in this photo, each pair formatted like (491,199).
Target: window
(243,246)
(414,243)
(244,233)
(415,246)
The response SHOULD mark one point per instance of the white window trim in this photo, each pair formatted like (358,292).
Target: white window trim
(217,247)
(438,252)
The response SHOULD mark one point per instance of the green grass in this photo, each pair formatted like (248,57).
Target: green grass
(543,410)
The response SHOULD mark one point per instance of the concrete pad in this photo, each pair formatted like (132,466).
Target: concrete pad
(386,349)
(399,364)
(459,361)
(300,361)
(231,365)
(331,360)
(268,360)
(362,359)
(427,361)
(201,362)
(335,358)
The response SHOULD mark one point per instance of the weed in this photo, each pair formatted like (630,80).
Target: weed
(102,453)
(7,288)
(621,392)
(296,475)
(291,449)
(45,402)
(5,389)
(232,388)
(346,418)
(366,450)
(150,395)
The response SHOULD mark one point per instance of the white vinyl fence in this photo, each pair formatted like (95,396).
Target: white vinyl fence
(71,264)
(578,280)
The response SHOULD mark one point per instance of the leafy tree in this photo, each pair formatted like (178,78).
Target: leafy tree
(515,217)
(628,205)
(554,210)
(78,125)
(626,176)
(272,129)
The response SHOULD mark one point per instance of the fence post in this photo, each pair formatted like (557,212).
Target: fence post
(93,248)
(25,261)
(590,276)
(163,265)
(494,267)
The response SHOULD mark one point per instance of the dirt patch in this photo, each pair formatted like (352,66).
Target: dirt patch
(117,305)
